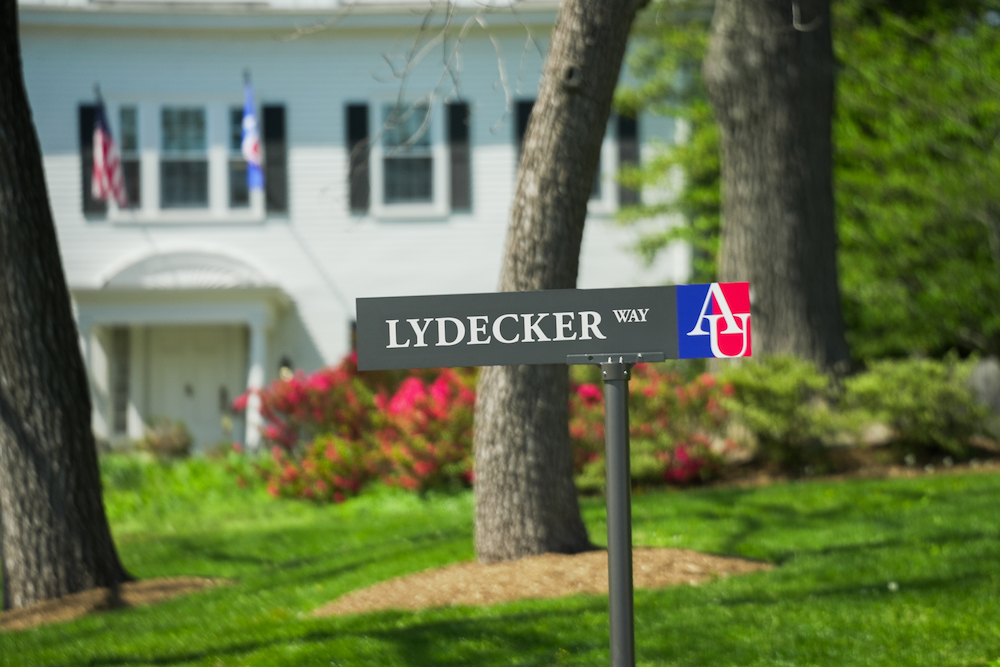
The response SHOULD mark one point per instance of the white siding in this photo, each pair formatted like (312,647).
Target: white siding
(320,255)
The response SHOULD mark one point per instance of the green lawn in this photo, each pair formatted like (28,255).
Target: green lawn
(898,572)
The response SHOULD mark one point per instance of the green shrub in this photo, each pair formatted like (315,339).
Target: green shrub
(166,439)
(928,403)
(786,402)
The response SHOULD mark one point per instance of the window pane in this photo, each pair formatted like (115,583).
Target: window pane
(183,183)
(407,180)
(130,129)
(239,194)
(406,125)
(183,129)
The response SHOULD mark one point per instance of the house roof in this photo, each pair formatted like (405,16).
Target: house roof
(279,13)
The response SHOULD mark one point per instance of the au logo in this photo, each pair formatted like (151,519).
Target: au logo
(713,320)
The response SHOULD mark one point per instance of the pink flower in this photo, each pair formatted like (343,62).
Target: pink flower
(590,394)
(240,402)
(238,448)
(411,391)
(318,381)
(440,391)
(424,468)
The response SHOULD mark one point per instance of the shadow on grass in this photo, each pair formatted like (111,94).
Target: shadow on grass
(449,641)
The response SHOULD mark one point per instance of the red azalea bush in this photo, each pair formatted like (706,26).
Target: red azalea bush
(333,431)
(674,426)
(426,437)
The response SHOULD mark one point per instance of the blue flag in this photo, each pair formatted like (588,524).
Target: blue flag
(250,145)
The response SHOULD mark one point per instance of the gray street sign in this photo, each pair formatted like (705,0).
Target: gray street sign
(514,327)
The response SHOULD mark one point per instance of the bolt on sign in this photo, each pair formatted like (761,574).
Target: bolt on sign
(547,327)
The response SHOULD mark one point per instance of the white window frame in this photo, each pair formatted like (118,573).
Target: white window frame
(438,207)
(149,211)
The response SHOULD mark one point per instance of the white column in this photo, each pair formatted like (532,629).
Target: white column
(255,382)
(85,331)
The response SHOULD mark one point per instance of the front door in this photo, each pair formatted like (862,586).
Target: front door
(195,373)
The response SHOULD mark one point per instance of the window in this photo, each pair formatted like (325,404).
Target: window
(128,123)
(183,158)
(408,161)
(183,162)
(407,171)
(275,160)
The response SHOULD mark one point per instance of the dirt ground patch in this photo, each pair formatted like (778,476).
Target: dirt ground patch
(545,576)
(132,594)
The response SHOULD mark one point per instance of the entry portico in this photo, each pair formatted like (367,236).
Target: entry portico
(178,335)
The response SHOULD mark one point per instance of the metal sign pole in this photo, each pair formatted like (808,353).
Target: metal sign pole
(619,495)
(619,503)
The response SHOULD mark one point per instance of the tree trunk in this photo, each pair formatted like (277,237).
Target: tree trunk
(525,497)
(770,78)
(54,535)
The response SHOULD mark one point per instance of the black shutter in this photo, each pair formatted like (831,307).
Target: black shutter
(628,156)
(275,158)
(521,125)
(357,146)
(85,116)
(458,149)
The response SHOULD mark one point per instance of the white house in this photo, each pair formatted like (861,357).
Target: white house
(198,290)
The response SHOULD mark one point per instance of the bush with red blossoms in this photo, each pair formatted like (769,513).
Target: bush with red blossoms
(426,437)
(675,426)
(333,431)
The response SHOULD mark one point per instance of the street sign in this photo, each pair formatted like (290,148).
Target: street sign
(613,328)
(547,327)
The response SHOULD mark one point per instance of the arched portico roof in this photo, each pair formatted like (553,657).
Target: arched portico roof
(190,269)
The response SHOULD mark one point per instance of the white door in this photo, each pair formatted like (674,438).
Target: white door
(195,373)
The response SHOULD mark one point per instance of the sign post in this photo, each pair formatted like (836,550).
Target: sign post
(614,328)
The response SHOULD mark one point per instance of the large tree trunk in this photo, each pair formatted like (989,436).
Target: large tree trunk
(54,535)
(525,498)
(770,78)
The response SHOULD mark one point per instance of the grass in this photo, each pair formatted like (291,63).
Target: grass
(895,572)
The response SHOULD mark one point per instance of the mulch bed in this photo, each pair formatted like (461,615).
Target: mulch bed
(535,577)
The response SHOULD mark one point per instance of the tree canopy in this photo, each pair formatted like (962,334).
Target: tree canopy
(915,135)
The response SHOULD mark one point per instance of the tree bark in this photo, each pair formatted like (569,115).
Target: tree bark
(54,535)
(525,497)
(770,78)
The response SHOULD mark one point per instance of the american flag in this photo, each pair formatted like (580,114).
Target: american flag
(108,181)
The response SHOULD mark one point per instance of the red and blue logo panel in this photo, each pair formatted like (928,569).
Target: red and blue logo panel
(713,320)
